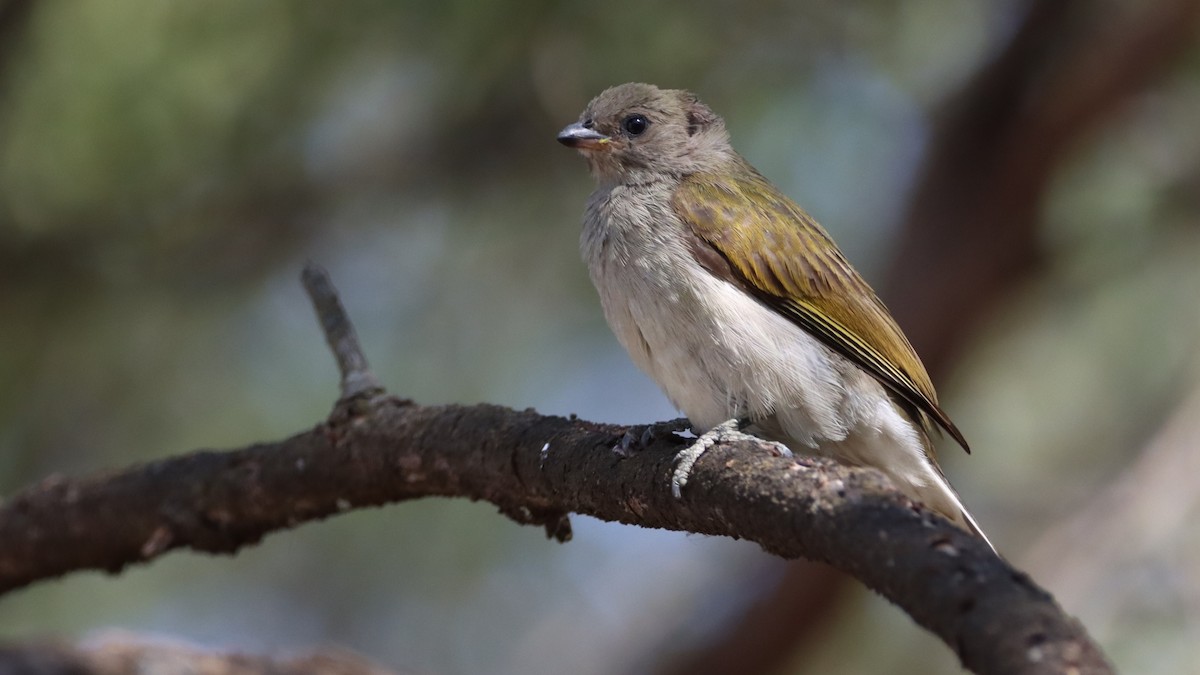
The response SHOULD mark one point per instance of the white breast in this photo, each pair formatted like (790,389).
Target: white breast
(717,352)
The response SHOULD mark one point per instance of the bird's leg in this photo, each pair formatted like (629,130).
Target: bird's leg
(729,430)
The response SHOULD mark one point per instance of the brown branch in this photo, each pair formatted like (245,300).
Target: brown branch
(387,450)
(378,449)
(383,450)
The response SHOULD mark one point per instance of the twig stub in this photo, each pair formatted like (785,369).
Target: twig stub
(356,376)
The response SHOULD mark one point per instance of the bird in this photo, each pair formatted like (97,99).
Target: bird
(741,306)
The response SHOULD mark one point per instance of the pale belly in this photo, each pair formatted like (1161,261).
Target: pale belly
(718,353)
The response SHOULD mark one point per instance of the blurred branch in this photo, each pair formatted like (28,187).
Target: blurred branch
(129,655)
(776,623)
(1149,509)
(970,234)
(376,449)
(14,22)
(970,231)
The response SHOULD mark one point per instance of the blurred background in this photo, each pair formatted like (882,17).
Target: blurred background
(1020,181)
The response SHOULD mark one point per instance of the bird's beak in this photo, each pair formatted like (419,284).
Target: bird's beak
(582,138)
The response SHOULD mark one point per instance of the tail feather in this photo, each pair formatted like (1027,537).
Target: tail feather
(941,497)
(965,518)
(894,443)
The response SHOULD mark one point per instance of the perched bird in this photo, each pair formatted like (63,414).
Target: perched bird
(739,304)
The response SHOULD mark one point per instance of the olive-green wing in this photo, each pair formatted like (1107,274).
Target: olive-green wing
(748,230)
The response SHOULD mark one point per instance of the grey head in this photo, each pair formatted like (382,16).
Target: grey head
(637,132)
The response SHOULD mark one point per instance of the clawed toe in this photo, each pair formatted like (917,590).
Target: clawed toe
(631,443)
(625,447)
(730,430)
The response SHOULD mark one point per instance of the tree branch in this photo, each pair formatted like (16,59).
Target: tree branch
(376,449)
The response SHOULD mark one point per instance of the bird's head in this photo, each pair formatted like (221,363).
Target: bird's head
(636,132)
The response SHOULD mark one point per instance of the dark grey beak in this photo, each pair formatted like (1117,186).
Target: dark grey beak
(578,136)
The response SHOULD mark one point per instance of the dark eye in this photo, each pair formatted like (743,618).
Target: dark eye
(635,125)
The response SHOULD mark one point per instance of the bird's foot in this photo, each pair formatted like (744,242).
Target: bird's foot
(729,430)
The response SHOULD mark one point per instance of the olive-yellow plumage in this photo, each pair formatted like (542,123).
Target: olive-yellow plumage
(802,274)
(739,304)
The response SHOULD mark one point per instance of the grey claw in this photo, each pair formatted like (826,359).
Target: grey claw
(622,449)
(729,430)
(647,437)
(630,443)
(687,457)
(686,460)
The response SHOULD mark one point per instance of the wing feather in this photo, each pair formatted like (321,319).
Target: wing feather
(797,270)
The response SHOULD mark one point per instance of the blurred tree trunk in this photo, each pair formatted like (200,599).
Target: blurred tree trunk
(14,15)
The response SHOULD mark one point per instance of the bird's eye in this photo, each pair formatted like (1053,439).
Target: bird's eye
(635,125)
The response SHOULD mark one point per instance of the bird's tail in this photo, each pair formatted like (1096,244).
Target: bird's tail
(942,498)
